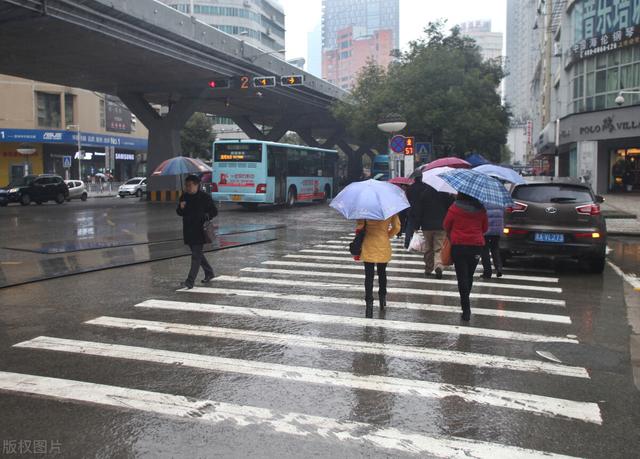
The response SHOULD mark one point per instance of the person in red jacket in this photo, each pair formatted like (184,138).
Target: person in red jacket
(466,223)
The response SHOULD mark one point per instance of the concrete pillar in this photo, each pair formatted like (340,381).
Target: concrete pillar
(164,135)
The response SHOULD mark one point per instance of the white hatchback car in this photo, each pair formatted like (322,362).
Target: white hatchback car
(77,190)
(136,186)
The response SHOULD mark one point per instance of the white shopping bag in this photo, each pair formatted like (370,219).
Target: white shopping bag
(417,243)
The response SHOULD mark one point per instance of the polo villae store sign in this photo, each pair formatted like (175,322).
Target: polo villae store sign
(600,125)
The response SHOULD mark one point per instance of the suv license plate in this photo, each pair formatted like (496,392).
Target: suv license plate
(549,237)
(236,197)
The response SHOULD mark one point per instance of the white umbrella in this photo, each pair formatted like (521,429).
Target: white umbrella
(370,200)
(431,178)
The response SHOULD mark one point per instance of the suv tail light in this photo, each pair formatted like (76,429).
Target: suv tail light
(511,231)
(214,187)
(261,188)
(517,207)
(589,209)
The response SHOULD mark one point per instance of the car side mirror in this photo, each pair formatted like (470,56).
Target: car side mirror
(599,199)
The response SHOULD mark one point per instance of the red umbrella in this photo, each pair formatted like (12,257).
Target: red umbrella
(401,181)
(454,162)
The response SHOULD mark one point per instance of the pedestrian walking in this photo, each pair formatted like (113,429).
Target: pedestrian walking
(491,249)
(376,253)
(413,196)
(432,207)
(195,207)
(466,224)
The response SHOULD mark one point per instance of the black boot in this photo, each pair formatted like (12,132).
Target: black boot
(383,300)
(466,315)
(368,312)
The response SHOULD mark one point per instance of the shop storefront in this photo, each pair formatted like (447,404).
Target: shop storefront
(603,147)
(122,157)
(14,164)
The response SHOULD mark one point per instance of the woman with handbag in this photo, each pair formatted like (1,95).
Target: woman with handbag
(376,252)
(466,224)
(196,207)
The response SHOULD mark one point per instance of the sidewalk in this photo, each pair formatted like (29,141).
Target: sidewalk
(622,212)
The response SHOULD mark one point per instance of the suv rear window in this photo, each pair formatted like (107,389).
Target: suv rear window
(552,193)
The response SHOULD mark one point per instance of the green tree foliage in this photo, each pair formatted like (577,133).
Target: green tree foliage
(443,88)
(197,137)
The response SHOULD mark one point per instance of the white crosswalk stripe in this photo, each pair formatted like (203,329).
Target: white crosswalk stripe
(411,291)
(287,423)
(343,320)
(372,348)
(347,258)
(306,298)
(419,280)
(536,404)
(394,269)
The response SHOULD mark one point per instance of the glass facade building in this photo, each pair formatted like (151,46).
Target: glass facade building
(261,22)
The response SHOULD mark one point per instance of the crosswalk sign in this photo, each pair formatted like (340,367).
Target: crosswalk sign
(66,162)
(423,148)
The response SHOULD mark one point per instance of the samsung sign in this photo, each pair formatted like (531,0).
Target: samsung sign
(71,138)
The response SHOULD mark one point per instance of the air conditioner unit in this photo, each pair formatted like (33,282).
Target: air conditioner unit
(557,49)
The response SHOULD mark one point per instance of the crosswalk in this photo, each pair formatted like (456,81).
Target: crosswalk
(304,312)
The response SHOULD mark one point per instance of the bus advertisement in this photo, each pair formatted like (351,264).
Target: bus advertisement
(252,172)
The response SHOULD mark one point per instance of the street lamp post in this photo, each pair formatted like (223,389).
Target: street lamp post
(392,124)
(26,151)
(77,128)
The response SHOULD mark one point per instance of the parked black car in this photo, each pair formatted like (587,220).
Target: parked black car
(4,197)
(38,189)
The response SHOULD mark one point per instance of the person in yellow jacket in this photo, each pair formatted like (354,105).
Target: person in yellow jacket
(376,251)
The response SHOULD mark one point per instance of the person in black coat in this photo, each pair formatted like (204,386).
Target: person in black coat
(413,196)
(432,208)
(195,207)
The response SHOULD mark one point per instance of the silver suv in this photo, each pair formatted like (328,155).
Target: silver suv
(136,186)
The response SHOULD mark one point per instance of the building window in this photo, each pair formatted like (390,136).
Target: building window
(48,108)
(103,117)
(596,81)
(69,103)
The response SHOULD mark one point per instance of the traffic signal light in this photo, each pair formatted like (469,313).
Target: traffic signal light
(292,80)
(264,82)
(409,146)
(221,83)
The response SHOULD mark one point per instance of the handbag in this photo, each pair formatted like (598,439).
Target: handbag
(355,247)
(209,230)
(445,253)
(417,243)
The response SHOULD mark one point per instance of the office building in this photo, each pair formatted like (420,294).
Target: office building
(490,43)
(355,31)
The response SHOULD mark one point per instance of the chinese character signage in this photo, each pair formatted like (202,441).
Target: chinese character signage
(610,41)
(118,117)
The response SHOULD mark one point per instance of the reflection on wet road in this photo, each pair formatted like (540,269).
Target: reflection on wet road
(275,359)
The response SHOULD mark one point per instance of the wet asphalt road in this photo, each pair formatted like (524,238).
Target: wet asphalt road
(274,358)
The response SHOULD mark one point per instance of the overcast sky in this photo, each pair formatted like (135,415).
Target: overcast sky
(303,15)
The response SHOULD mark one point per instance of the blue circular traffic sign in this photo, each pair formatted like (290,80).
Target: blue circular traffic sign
(397,143)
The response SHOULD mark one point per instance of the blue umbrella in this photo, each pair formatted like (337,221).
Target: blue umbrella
(370,200)
(502,173)
(476,159)
(484,188)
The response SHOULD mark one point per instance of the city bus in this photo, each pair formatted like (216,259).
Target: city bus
(253,172)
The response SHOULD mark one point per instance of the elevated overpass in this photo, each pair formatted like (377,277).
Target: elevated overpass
(148,53)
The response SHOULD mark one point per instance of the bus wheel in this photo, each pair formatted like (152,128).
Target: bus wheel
(291,197)
(327,193)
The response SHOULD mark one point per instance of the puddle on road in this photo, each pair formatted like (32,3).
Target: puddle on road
(625,254)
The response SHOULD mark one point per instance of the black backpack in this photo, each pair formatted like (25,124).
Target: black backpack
(355,247)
